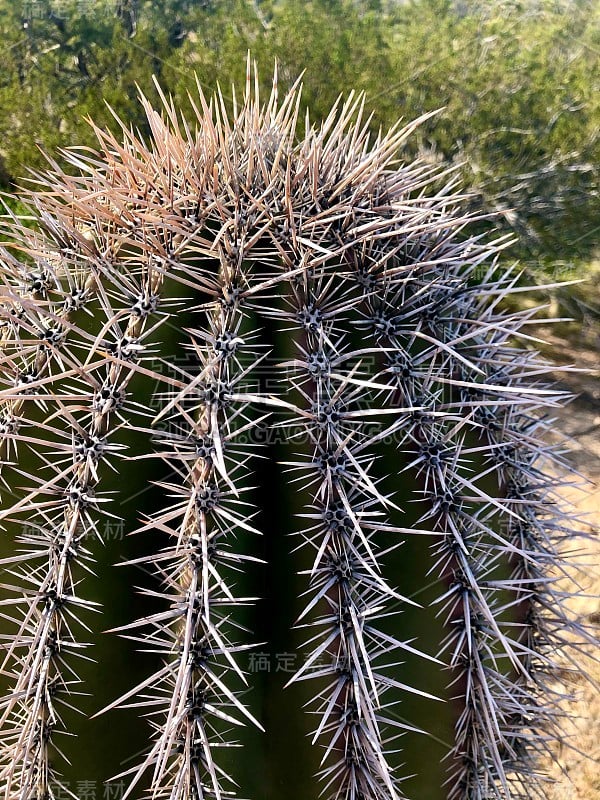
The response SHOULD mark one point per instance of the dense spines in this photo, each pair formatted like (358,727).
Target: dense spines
(196,690)
(53,522)
(528,535)
(347,533)
(207,407)
(489,652)
(77,384)
(321,235)
(38,298)
(449,354)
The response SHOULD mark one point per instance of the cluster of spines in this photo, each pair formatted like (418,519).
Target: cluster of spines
(528,536)
(345,580)
(332,413)
(503,729)
(202,417)
(75,384)
(204,410)
(481,407)
(35,319)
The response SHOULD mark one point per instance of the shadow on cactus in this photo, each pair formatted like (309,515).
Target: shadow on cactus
(278,333)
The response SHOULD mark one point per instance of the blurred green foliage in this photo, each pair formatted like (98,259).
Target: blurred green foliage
(517,82)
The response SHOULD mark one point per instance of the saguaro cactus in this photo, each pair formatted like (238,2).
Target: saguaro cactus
(386,309)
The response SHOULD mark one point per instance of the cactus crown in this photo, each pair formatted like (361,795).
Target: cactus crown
(393,311)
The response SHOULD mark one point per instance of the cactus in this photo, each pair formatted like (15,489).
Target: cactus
(387,304)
